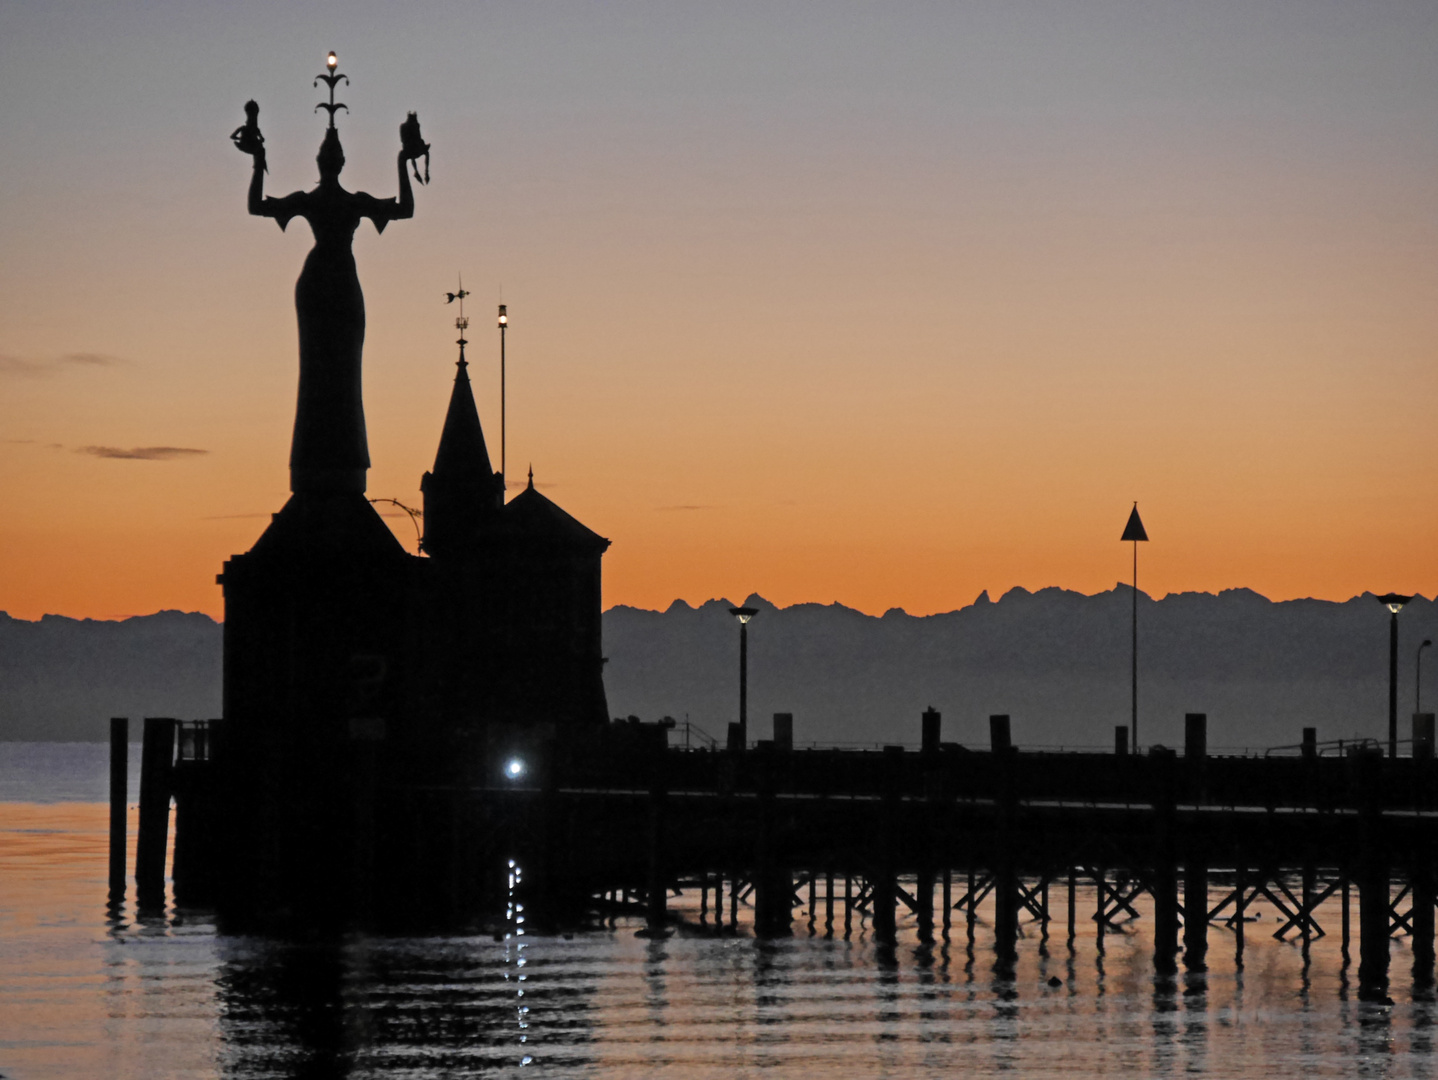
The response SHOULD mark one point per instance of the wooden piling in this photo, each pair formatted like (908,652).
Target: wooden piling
(829,902)
(1164,880)
(971,905)
(1006,899)
(1422,918)
(656,897)
(1073,889)
(119,795)
(1240,889)
(883,887)
(1195,911)
(1373,892)
(1310,878)
(773,881)
(1100,876)
(924,894)
(948,895)
(156,768)
(848,904)
(1347,928)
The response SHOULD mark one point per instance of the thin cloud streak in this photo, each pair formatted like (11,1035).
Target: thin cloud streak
(141,453)
(23,368)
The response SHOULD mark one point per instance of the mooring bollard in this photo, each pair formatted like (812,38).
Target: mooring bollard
(1000,737)
(1423,736)
(783,732)
(1195,752)
(931,727)
(119,795)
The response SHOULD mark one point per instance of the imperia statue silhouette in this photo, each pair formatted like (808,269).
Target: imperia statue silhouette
(329,451)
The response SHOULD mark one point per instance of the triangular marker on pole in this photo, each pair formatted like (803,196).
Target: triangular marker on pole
(1134,529)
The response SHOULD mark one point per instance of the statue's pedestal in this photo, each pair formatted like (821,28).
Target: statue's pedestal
(316,669)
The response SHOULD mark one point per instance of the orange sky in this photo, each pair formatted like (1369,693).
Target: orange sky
(827,304)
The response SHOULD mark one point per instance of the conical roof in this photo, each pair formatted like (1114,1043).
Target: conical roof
(462,453)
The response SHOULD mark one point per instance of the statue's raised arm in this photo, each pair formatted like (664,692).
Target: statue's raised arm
(412,148)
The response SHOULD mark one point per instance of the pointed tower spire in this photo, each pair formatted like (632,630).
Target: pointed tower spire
(462,493)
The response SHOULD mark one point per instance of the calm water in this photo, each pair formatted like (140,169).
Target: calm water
(83,997)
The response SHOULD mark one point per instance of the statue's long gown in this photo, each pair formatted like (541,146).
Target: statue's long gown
(330,450)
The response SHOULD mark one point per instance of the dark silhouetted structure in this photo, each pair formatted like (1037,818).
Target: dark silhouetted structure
(402,730)
(356,674)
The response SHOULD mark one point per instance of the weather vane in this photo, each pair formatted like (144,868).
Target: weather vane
(331,78)
(462,323)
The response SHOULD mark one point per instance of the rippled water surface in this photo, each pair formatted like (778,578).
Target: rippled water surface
(81,996)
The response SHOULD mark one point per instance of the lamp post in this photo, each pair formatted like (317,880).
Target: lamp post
(1418,676)
(503,433)
(743,614)
(1394,603)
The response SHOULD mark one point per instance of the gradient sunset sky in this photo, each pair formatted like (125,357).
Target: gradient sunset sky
(882,304)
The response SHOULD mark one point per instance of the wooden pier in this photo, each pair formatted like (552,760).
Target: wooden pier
(622,823)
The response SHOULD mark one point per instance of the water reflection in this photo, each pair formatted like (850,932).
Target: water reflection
(90,992)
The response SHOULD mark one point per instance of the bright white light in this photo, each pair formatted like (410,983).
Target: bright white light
(331,61)
(514,768)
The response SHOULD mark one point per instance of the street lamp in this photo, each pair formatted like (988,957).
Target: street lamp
(1394,603)
(503,431)
(743,614)
(1418,677)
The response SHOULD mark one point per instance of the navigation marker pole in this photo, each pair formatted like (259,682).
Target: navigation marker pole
(1134,531)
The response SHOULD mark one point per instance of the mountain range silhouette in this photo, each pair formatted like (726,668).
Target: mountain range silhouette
(1056,661)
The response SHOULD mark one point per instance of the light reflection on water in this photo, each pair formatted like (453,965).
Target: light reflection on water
(79,997)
